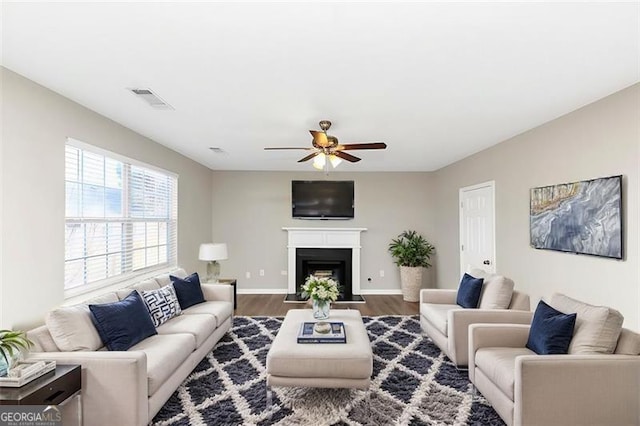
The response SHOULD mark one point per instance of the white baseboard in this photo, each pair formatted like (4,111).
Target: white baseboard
(382,292)
(262,291)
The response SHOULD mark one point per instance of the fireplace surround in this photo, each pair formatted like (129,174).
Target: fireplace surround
(333,251)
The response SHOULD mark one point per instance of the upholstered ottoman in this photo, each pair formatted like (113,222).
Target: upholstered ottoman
(320,365)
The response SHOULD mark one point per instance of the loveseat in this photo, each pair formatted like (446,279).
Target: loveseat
(596,383)
(447,323)
(129,387)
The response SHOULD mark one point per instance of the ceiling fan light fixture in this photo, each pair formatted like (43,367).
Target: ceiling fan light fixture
(319,161)
(335,160)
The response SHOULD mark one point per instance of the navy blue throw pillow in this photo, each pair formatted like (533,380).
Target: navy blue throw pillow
(469,291)
(551,331)
(188,290)
(122,324)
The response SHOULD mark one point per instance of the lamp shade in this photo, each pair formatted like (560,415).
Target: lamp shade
(212,251)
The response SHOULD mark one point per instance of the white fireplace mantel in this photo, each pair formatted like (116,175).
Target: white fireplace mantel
(324,238)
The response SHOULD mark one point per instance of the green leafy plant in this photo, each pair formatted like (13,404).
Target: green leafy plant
(411,249)
(11,343)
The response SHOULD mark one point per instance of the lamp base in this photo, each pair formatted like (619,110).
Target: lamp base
(213,271)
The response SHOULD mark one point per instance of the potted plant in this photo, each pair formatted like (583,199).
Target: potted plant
(411,252)
(11,344)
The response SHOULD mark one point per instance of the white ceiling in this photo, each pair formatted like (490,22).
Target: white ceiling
(435,81)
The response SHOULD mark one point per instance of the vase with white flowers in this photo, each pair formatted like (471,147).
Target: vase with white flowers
(322,291)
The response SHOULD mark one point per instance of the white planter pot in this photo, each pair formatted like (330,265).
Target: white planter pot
(411,280)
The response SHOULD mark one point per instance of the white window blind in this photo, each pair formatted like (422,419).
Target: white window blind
(121,218)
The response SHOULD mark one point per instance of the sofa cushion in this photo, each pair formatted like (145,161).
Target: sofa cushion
(141,286)
(469,291)
(597,327)
(188,290)
(436,314)
(165,279)
(165,354)
(551,330)
(201,326)
(220,310)
(162,304)
(123,324)
(72,329)
(496,290)
(499,365)
(42,340)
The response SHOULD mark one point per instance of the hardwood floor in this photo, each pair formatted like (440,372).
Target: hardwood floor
(273,305)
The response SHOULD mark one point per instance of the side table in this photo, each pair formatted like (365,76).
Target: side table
(233,282)
(56,388)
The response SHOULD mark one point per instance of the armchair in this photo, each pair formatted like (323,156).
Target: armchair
(529,389)
(447,324)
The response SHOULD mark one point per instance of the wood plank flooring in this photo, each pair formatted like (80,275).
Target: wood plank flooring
(273,305)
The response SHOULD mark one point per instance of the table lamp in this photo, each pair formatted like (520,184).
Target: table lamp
(211,253)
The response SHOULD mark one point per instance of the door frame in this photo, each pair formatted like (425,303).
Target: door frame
(489,184)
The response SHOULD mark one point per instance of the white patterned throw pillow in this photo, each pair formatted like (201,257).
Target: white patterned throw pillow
(162,304)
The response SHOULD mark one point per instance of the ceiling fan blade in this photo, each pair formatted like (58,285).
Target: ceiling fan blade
(308,157)
(368,145)
(288,147)
(319,138)
(346,156)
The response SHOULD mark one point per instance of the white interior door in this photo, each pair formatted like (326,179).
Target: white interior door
(477,228)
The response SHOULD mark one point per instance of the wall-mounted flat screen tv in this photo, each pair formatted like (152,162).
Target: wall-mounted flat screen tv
(579,217)
(322,199)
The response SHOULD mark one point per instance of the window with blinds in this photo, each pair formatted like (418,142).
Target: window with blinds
(121,218)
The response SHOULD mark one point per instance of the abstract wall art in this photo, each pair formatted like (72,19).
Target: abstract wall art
(581,217)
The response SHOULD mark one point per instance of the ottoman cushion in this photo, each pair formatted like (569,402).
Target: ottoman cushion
(351,360)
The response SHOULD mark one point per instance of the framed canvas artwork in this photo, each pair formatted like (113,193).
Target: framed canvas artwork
(580,217)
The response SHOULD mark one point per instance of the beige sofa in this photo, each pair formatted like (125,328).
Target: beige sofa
(579,388)
(447,324)
(129,387)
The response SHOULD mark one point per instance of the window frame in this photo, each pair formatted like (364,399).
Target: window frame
(130,275)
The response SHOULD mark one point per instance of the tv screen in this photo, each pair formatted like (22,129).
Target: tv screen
(579,217)
(322,199)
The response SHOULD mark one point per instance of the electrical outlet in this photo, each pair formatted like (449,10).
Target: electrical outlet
(247,275)
(381,273)
(283,272)
(262,272)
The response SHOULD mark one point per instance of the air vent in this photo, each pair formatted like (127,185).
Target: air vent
(151,98)
(217,150)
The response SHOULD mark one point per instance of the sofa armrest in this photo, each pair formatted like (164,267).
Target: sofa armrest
(494,336)
(439,296)
(114,385)
(577,389)
(219,292)
(459,320)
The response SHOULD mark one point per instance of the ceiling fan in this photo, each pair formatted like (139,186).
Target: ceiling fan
(327,146)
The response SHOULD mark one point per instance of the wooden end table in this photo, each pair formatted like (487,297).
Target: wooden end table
(55,388)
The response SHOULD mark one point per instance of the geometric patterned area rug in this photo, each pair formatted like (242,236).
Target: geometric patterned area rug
(413,384)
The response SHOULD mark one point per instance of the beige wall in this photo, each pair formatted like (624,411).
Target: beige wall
(250,209)
(37,122)
(601,139)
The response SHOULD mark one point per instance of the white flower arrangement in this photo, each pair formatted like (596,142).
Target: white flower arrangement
(320,289)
